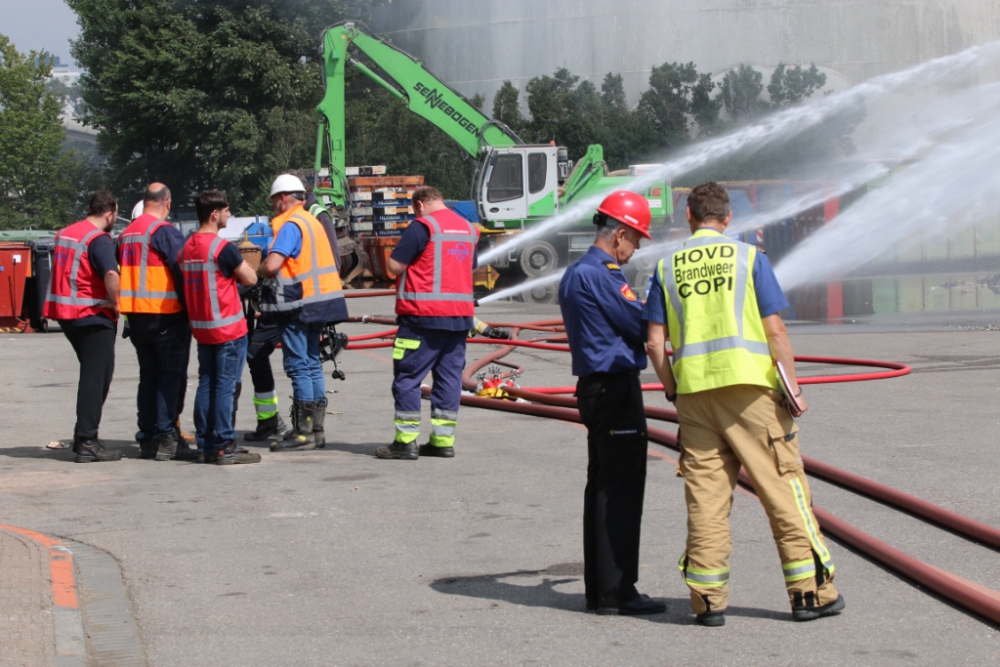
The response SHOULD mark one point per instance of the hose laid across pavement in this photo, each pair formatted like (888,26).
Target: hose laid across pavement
(547,403)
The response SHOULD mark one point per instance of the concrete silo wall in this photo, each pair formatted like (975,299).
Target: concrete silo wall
(475,44)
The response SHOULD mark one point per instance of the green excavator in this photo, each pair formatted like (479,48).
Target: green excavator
(516,185)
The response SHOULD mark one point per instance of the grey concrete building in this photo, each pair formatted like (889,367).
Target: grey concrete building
(475,44)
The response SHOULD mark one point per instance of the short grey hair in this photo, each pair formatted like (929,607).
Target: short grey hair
(608,229)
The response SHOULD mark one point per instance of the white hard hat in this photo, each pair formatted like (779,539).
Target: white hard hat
(286,183)
(137,210)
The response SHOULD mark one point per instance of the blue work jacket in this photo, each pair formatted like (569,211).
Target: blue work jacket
(603,317)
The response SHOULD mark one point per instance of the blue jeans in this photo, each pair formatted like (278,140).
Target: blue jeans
(220,368)
(300,348)
(163,360)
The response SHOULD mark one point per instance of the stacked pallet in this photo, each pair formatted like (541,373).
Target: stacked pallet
(380,205)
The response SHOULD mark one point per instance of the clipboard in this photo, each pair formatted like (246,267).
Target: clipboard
(792,401)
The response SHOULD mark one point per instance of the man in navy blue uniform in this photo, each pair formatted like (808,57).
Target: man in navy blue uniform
(607,338)
(434,260)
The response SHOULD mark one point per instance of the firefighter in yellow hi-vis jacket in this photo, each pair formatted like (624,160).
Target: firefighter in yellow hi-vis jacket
(718,300)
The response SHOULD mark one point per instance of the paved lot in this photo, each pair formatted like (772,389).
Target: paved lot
(335,558)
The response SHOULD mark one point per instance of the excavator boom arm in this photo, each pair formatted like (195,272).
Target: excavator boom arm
(407,79)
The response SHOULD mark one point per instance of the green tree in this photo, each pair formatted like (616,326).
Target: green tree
(40,182)
(678,102)
(742,96)
(741,90)
(199,93)
(507,108)
(790,85)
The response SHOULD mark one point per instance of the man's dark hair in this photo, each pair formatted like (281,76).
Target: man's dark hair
(709,201)
(102,202)
(208,201)
(426,193)
(160,196)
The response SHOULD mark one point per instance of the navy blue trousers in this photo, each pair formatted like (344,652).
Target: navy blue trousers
(435,351)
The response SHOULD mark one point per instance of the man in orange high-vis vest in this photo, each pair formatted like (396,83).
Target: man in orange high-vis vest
(151,298)
(83,297)
(212,267)
(304,292)
(434,260)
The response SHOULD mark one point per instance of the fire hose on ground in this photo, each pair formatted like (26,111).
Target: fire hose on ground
(553,403)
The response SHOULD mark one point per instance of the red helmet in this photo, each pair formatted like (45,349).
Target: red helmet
(628,208)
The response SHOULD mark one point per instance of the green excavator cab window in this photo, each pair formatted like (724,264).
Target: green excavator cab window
(507,179)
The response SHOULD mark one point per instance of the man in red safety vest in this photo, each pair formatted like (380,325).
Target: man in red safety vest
(211,267)
(434,260)
(148,252)
(83,297)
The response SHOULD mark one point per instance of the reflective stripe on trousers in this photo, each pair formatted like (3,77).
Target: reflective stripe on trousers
(407,426)
(799,570)
(443,424)
(266,405)
(703,578)
(667,278)
(818,547)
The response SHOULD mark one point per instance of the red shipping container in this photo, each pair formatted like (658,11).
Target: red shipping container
(15,268)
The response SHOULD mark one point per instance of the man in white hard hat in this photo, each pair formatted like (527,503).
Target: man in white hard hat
(304,291)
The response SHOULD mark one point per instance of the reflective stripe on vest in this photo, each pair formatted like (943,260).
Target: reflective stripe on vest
(755,368)
(138,298)
(74,298)
(219,327)
(437,239)
(72,305)
(279,282)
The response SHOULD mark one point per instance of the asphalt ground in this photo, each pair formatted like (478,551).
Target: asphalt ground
(334,557)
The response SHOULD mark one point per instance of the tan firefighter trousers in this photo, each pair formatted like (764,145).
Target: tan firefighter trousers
(720,429)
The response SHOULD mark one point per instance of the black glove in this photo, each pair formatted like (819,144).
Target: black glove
(497,333)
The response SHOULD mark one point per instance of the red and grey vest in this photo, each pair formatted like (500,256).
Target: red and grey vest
(75,290)
(212,300)
(439,282)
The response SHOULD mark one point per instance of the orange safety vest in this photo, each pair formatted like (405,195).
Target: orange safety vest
(75,290)
(439,282)
(213,300)
(308,287)
(147,285)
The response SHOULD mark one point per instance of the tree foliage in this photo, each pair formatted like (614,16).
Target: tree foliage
(742,96)
(41,184)
(204,93)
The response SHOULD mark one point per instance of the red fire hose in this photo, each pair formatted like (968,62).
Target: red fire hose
(546,404)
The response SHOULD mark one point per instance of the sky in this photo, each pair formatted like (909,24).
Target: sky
(39,24)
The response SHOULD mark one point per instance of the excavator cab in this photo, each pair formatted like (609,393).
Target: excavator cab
(517,183)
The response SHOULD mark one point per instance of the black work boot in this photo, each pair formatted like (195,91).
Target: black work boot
(268,429)
(187,453)
(319,415)
(809,612)
(92,450)
(433,450)
(166,446)
(300,438)
(398,450)
(147,448)
(231,454)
